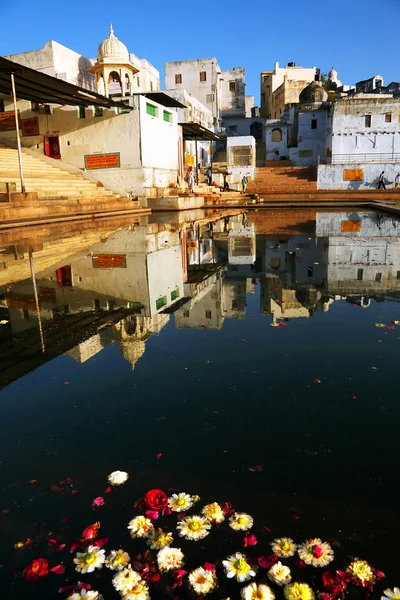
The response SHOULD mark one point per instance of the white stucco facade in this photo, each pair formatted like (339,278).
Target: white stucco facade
(271,80)
(241,157)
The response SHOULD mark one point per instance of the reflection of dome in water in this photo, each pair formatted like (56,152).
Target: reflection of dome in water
(131,334)
(132,350)
(112,48)
(313,93)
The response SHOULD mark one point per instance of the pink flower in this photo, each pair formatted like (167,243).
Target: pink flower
(249,540)
(99,501)
(152,514)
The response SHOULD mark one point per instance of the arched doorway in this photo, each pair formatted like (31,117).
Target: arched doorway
(276,135)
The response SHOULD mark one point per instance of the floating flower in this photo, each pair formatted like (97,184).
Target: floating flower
(140,527)
(283,547)
(315,552)
(213,512)
(241,521)
(39,567)
(180,502)
(361,570)
(280,574)
(117,560)
(257,592)
(169,559)
(298,591)
(156,500)
(87,562)
(194,527)
(86,595)
(393,594)
(118,477)
(125,580)
(91,531)
(99,501)
(139,591)
(203,581)
(237,566)
(158,539)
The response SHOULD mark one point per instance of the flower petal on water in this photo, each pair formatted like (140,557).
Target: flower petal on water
(58,570)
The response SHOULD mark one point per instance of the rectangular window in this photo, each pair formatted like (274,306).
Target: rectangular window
(313,123)
(388,117)
(310,271)
(232,128)
(138,81)
(178,78)
(360,273)
(167,116)
(186,313)
(161,302)
(398,275)
(111,304)
(34,106)
(151,110)
(174,294)
(209,98)
(203,76)
(378,277)
(82,112)
(151,86)
(208,314)
(96,304)
(98,111)
(367,120)
(232,86)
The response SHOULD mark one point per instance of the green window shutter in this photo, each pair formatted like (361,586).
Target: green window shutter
(151,110)
(167,116)
(82,112)
(174,294)
(161,302)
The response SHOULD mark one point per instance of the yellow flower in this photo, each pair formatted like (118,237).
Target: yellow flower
(194,527)
(283,547)
(315,552)
(237,566)
(180,502)
(117,560)
(140,527)
(361,570)
(257,592)
(158,539)
(241,521)
(298,591)
(213,512)
(203,581)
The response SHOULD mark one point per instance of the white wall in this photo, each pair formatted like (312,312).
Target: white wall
(330,224)
(159,139)
(274,150)
(312,143)
(232,103)
(331,177)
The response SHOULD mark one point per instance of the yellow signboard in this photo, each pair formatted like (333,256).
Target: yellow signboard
(30,126)
(189,159)
(350,226)
(353,174)
(102,161)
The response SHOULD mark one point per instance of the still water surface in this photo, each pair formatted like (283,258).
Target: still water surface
(246,352)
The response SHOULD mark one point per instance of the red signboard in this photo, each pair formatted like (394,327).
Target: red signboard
(7,121)
(30,126)
(102,161)
(109,261)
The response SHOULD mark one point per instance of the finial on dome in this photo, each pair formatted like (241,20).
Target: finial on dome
(111,29)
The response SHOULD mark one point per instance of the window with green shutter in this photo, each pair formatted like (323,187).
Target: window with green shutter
(151,110)
(161,302)
(167,116)
(174,294)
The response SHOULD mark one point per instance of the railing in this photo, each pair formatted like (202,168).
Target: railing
(371,157)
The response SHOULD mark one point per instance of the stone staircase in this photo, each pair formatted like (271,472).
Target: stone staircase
(282,179)
(51,182)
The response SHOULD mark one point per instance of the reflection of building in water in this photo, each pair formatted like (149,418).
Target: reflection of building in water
(284,303)
(90,347)
(235,291)
(242,246)
(204,308)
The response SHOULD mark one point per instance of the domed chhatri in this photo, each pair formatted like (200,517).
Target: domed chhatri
(314,93)
(333,75)
(112,50)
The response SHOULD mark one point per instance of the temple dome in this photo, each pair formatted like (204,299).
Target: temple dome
(313,93)
(333,75)
(112,49)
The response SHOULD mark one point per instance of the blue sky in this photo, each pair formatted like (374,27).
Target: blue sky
(358,37)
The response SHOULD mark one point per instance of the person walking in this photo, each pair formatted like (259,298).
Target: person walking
(190,180)
(381,183)
(397,181)
(209,175)
(245,181)
(226,184)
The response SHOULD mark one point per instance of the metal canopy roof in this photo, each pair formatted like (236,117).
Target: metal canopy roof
(194,131)
(38,87)
(163,99)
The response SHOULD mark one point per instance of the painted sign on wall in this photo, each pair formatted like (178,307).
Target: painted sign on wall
(351,226)
(102,161)
(353,174)
(109,261)
(30,126)
(7,121)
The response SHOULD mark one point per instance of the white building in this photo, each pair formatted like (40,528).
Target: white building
(271,80)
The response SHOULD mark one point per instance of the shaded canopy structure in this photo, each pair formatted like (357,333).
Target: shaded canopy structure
(38,87)
(194,131)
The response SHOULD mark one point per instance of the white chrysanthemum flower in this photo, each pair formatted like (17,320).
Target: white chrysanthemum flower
(117,560)
(158,539)
(194,527)
(315,552)
(169,559)
(118,477)
(213,512)
(203,581)
(257,592)
(283,547)
(86,595)
(241,521)
(361,570)
(180,502)
(237,566)
(140,591)
(125,580)
(298,591)
(280,574)
(140,527)
(87,562)
(393,594)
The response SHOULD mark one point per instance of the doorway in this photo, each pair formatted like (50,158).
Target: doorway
(52,146)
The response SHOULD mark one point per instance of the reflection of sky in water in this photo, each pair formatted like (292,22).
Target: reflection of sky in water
(172,351)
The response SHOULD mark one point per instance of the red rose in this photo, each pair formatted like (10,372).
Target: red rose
(39,567)
(156,500)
